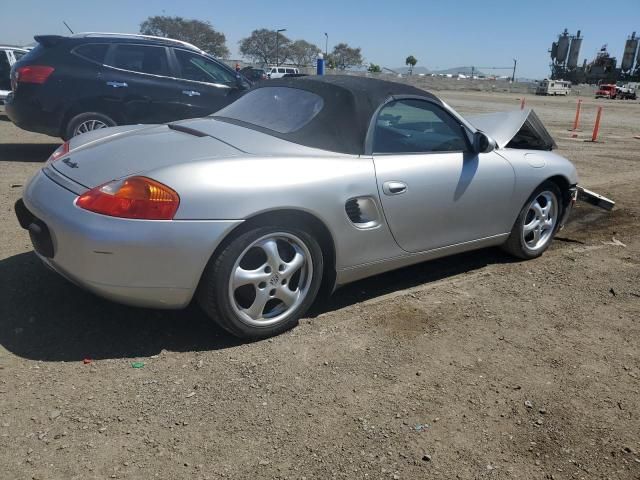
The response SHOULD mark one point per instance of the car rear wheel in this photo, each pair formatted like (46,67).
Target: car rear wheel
(537,223)
(87,122)
(262,282)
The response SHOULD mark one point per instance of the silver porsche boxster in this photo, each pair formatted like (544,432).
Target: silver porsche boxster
(300,184)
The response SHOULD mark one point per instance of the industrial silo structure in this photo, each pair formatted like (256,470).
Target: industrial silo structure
(574,51)
(629,55)
(563,47)
(554,50)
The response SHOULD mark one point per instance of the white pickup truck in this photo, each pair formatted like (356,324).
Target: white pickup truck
(8,56)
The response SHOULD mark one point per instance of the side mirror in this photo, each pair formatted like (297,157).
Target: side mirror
(483,143)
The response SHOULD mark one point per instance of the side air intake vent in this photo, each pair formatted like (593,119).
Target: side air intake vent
(353,210)
(363,212)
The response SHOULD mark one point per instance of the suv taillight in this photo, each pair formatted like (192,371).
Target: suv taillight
(33,74)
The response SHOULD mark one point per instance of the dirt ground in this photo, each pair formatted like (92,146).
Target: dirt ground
(475,366)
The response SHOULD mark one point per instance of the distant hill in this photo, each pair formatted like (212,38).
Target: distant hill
(448,71)
(462,70)
(416,70)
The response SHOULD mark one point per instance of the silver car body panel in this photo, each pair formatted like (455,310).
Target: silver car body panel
(454,202)
(130,261)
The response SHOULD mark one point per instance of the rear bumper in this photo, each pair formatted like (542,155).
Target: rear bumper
(143,263)
(29,115)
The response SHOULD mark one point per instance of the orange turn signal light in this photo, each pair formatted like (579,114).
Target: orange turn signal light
(134,197)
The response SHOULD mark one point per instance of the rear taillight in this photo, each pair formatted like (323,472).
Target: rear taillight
(133,197)
(33,74)
(61,151)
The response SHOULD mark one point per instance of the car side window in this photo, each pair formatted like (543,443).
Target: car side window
(93,51)
(141,58)
(200,69)
(417,126)
(18,55)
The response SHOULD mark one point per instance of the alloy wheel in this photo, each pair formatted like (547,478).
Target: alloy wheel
(540,220)
(270,279)
(89,126)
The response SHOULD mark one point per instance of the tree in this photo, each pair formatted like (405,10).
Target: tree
(411,62)
(199,33)
(344,56)
(373,68)
(260,47)
(303,53)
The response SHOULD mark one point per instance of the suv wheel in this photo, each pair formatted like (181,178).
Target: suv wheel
(87,122)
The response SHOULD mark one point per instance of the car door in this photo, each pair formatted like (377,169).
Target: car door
(204,86)
(136,78)
(434,190)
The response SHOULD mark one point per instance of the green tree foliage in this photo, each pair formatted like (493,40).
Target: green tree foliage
(411,62)
(303,53)
(199,33)
(260,47)
(373,68)
(344,57)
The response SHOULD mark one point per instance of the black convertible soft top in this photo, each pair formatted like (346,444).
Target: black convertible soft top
(349,105)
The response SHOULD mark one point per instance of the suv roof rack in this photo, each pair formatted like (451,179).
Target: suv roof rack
(136,35)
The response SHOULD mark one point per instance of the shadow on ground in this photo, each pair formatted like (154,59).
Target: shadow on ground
(26,152)
(44,317)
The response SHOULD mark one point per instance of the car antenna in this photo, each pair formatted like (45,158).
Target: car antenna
(65,24)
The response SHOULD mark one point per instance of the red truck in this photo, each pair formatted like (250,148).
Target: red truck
(607,91)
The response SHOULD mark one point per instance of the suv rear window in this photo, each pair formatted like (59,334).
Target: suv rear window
(281,109)
(141,58)
(35,52)
(93,51)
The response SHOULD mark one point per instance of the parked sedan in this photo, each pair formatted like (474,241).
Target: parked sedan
(71,85)
(254,74)
(300,184)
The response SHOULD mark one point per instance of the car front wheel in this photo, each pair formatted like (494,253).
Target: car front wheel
(262,281)
(537,223)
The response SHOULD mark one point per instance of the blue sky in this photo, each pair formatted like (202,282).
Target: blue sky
(438,34)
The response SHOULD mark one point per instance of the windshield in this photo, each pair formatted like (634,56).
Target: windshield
(281,109)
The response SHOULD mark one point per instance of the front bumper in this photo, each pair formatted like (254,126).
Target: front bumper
(569,201)
(137,262)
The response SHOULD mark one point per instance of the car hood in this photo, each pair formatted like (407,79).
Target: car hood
(503,127)
(108,154)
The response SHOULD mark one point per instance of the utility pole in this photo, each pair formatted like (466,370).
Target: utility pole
(513,76)
(326,45)
(277,35)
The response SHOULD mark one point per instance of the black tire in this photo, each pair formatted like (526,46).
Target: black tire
(515,244)
(213,291)
(78,120)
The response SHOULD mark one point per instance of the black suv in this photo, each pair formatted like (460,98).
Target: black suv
(70,85)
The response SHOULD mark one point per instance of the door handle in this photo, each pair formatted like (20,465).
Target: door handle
(117,84)
(191,93)
(394,188)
